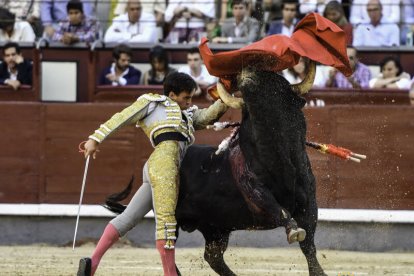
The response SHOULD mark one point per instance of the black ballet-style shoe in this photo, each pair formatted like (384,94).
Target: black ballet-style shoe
(177,270)
(85,265)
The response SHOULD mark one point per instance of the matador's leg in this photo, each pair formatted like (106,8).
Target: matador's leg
(137,208)
(140,205)
(163,168)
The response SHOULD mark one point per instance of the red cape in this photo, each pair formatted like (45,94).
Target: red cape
(314,37)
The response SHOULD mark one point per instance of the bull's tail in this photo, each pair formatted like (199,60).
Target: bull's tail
(112,201)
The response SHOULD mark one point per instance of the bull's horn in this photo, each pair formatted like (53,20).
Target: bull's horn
(233,102)
(306,84)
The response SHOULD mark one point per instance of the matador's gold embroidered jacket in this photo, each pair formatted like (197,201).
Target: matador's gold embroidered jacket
(157,114)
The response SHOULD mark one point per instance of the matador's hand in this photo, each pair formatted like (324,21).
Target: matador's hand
(91,148)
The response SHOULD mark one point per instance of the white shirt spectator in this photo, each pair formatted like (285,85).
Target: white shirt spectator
(147,6)
(288,31)
(207,7)
(143,31)
(204,75)
(22,9)
(390,11)
(403,83)
(319,81)
(22,32)
(307,6)
(384,34)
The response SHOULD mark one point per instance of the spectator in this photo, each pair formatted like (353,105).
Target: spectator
(272,10)
(120,73)
(335,12)
(407,26)
(28,10)
(286,25)
(187,18)
(359,79)
(156,7)
(241,28)
(12,30)
(14,70)
(227,9)
(77,28)
(359,13)
(377,32)
(134,26)
(392,75)
(159,66)
(52,12)
(308,6)
(297,73)
(198,71)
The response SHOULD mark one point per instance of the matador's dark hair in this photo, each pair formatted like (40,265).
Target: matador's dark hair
(178,82)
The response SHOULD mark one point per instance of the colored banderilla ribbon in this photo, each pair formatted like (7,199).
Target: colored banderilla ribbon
(337,151)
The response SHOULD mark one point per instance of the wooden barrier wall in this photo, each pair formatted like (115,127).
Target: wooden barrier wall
(40,163)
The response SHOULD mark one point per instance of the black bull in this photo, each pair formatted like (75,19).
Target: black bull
(263,178)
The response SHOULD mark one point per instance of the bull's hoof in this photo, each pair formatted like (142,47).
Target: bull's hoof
(85,265)
(296,235)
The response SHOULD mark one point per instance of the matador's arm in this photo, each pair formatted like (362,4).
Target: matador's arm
(132,114)
(207,116)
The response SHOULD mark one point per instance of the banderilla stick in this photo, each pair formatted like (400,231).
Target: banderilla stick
(217,126)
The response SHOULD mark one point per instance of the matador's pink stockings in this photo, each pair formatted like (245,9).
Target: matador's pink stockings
(167,258)
(108,238)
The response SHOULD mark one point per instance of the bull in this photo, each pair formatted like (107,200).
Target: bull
(262,180)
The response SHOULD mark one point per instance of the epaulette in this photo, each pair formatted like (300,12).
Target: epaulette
(153,97)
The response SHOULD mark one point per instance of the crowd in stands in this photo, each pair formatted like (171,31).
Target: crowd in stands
(377,23)
(182,21)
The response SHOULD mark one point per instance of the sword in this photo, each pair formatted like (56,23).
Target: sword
(80,200)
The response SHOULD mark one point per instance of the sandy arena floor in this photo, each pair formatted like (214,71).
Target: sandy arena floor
(127,260)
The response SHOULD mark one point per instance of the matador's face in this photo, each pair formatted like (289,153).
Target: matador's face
(183,99)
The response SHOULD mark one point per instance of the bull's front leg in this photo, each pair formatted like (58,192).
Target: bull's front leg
(308,221)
